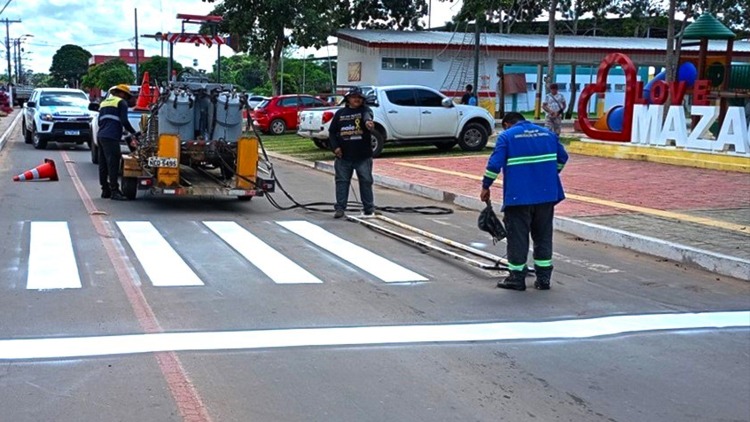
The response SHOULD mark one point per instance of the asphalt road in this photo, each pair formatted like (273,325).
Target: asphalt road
(254,343)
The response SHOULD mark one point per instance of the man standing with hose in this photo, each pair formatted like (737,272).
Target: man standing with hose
(350,139)
(113,117)
(531,158)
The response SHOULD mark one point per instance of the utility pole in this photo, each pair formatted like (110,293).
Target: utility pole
(476,57)
(7,43)
(137,52)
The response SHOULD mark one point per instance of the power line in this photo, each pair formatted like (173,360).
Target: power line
(6,5)
(44,44)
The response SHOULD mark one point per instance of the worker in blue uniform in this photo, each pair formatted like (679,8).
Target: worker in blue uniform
(530,158)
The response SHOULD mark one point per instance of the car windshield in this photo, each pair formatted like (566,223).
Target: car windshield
(263,104)
(72,99)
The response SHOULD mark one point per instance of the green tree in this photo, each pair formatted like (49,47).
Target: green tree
(385,14)
(244,71)
(108,74)
(157,68)
(69,64)
(40,80)
(262,32)
(732,13)
(640,14)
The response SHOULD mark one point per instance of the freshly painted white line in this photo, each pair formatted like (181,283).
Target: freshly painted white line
(279,268)
(160,261)
(57,348)
(52,263)
(374,264)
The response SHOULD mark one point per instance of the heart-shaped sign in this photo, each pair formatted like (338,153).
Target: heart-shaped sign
(631,85)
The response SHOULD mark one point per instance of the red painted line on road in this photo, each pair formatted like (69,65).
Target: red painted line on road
(183,391)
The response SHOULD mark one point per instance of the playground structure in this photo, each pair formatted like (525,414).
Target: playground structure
(727,84)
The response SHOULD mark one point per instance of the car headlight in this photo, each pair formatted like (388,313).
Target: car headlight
(47,117)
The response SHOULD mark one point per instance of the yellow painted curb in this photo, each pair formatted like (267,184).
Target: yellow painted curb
(661,155)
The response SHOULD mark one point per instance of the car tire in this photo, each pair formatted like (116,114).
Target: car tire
(321,143)
(473,137)
(277,127)
(38,142)
(26,133)
(377,140)
(94,153)
(130,187)
(245,198)
(445,146)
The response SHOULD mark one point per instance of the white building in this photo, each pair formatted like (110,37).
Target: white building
(445,61)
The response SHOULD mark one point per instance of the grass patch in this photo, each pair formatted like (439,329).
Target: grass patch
(304,148)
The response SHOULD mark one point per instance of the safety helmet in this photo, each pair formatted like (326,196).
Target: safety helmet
(124,88)
(488,222)
(355,90)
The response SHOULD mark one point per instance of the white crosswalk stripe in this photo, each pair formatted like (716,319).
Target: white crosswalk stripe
(364,259)
(279,268)
(160,261)
(52,262)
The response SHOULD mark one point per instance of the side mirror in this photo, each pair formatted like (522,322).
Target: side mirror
(447,102)
(31,104)
(93,107)
(372,100)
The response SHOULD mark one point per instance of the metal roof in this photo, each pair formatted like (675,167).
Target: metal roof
(435,39)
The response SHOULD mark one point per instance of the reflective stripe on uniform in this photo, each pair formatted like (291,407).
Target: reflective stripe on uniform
(543,263)
(516,267)
(490,175)
(530,159)
(109,117)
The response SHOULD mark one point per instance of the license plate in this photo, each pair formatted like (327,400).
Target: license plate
(72,132)
(163,162)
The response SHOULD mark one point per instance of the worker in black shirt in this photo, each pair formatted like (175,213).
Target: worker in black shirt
(113,117)
(349,135)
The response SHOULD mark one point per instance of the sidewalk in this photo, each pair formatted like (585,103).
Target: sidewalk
(7,123)
(695,216)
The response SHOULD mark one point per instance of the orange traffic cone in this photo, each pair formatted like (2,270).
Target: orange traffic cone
(144,97)
(42,171)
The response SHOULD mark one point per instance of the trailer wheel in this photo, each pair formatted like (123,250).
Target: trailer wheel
(130,187)
(245,198)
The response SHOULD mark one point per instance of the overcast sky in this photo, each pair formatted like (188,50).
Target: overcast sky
(104,26)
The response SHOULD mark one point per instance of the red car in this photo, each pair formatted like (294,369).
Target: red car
(279,114)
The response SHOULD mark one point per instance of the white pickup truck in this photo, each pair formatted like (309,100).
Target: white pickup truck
(410,114)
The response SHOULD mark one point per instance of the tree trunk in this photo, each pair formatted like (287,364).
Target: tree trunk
(551,48)
(273,64)
(573,92)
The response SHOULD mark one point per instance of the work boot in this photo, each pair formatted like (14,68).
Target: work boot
(118,196)
(338,214)
(515,281)
(106,193)
(543,276)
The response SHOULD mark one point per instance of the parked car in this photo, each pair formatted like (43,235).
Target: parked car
(410,114)
(56,115)
(280,113)
(254,100)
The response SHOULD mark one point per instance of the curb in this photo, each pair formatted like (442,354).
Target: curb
(715,262)
(9,130)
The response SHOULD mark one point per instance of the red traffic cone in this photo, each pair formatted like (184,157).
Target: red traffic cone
(42,171)
(144,97)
